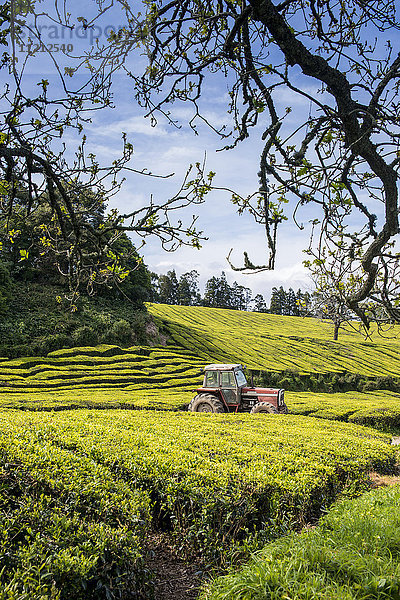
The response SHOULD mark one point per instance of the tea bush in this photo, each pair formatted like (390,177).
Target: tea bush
(108,376)
(222,484)
(353,554)
(69,529)
(324,382)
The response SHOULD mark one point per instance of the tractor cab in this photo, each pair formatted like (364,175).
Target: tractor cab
(225,389)
(227,379)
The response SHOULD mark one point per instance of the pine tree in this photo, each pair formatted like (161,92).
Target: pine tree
(278,304)
(259,304)
(168,288)
(188,289)
(292,308)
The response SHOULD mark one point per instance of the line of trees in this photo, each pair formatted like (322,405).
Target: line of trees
(321,303)
(291,303)
(218,293)
(168,289)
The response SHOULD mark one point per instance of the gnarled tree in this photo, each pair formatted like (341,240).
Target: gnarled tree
(41,173)
(337,157)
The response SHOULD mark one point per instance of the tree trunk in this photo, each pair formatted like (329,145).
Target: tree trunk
(336,331)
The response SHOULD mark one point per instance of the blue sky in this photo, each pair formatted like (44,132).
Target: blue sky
(165,149)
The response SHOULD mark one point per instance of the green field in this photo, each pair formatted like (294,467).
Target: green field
(80,490)
(275,343)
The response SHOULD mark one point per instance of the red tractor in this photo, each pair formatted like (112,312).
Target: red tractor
(225,389)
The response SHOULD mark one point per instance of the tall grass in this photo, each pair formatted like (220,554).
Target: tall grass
(354,554)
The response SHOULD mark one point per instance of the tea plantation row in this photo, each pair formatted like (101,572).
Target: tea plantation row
(274,343)
(353,554)
(157,378)
(102,367)
(80,490)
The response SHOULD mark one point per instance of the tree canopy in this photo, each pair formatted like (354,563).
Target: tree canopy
(45,178)
(316,81)
(338,157)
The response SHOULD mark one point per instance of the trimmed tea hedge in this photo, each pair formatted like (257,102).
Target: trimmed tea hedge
(79,491)
(377,409)
(353,554)
(69,529)
(275,343)
(380,409)
(131,397)
(223,484)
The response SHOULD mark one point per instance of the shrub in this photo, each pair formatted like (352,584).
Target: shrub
(5,287)
(53,342)
(377,408)
(35,314)
(85,336)
(122,331)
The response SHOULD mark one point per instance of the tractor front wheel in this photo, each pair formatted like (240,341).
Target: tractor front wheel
(264,407)
(206,403)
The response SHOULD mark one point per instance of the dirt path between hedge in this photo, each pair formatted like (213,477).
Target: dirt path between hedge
(379,480)
(174,579)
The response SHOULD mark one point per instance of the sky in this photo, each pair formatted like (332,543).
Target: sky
(165,149)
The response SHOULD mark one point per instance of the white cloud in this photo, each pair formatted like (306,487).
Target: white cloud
(211,259)
(134,125)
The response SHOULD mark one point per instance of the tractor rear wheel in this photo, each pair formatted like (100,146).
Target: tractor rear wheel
(264,407)
(206,403)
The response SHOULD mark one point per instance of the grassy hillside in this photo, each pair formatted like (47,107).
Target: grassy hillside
(275,343)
